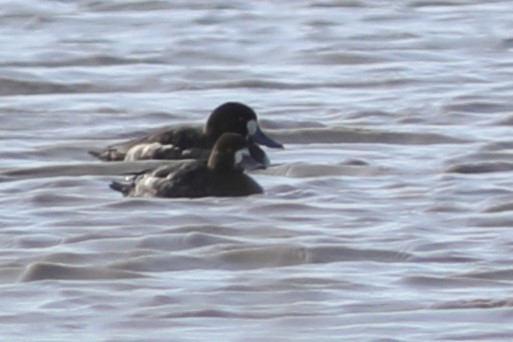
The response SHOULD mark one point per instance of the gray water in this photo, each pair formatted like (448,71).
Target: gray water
(388,217)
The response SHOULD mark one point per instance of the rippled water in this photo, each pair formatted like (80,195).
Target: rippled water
(387,217)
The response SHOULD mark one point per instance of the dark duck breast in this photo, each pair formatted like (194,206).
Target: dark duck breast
(192,142)
(222,175)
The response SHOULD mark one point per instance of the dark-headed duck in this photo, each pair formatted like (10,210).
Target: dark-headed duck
(222,175)
(194,142)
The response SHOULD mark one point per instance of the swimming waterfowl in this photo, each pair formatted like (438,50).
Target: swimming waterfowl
(222,175)
(193,142)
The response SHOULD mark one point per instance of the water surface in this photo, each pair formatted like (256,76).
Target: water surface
(387,217)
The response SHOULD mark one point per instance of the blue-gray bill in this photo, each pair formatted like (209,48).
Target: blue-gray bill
(261,138)
(256,160)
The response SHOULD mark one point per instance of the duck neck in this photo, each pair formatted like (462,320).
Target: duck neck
(222,164)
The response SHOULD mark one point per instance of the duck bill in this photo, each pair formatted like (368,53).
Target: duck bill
(257,159)
(260,138)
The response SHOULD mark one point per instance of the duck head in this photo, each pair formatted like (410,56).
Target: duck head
(238,118)
(232,153)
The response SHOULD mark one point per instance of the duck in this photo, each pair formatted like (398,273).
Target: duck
(222,175)
(186,142)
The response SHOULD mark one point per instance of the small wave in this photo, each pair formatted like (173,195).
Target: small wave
(44,271)
(449,282)
(499,208)
(354,135)
(474,304)
(154,5)
(487,167)
(230,256)
(182,241)
(342,58)
(86,61)
(336,4)
(304,170)
(159,263)
(286,255)
(481,157)
(481,107)
(9,86)
(422,3)
(498,146)
(67,169)
(38,241)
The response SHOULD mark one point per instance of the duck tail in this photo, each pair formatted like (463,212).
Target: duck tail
(98,154)
(108,155)
(124,188)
